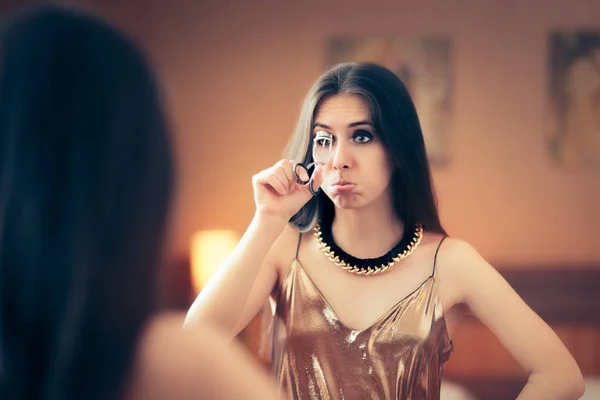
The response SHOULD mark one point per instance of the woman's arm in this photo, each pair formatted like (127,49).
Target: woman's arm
(554,374)
(243,283)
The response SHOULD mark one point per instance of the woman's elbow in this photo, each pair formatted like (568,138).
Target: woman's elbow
(564,383)
(577,386)
(572,384)
(576,381)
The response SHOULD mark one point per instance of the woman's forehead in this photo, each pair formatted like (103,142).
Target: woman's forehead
(342,110)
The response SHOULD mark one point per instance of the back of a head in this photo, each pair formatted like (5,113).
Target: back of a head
(85,186)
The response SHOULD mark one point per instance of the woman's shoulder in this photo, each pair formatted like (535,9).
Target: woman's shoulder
(164,342)
(456,252)
(457,262)
(449,250)
(198,363)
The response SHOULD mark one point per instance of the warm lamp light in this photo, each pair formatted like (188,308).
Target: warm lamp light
(209,250)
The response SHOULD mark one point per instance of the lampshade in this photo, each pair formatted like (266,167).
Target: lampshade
(208,251)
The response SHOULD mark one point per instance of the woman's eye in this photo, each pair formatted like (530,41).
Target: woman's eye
(362,136)
(323,138)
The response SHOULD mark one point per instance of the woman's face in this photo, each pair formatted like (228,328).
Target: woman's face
(358,171)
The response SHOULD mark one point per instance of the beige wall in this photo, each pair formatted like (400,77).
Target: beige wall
(236,72)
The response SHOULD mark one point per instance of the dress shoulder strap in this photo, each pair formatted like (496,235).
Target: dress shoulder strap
(436,254)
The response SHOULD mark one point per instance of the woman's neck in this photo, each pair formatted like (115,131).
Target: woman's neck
(367,232)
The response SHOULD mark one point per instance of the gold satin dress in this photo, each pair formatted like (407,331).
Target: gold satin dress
(315,356)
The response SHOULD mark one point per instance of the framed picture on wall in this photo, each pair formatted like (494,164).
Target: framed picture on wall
(423,64)
(574,132)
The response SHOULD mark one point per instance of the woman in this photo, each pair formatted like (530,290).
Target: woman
(366,284)
(85,190)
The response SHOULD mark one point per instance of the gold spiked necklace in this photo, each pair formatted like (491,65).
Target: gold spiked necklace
(413,233)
